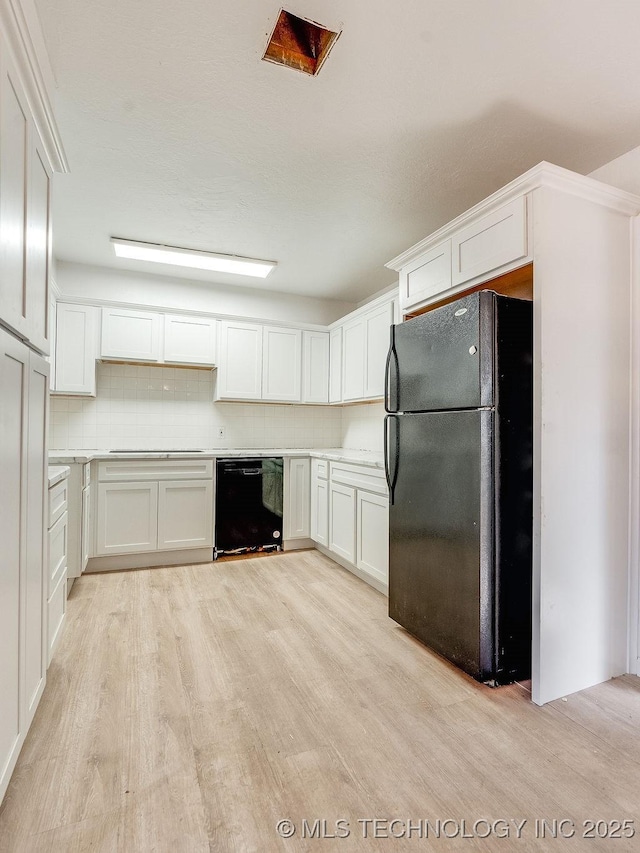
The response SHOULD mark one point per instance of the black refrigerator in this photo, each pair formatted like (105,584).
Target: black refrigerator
(458,459)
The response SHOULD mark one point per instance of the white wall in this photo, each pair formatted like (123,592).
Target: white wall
(623,172)
(89,282)
(169,408)
(362,426)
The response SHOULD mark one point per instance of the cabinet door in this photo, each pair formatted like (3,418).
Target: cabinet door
(14,158)
(14,359)
(315,383)
(38,246)
(185,514)
(377,337)
(52,343)
(127,518)
(76,328)
(130,335)
(493,241)
(320,511)
(353,352)
(35,580)
(342,521)
(426,276)
(240,361)
(335,365)
(281,364)
(189,340)
(86,526)
(373,535)
(296,498)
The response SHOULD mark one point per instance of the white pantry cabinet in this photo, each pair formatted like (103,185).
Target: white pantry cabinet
(342,521)
(335,365)
(281,364)
(131,335)
(296,498)
(372,526)
(185,514)
(127,518)
(24,381)
(189,339)
(315,367)
(38,245)
(75,349)
(239,375)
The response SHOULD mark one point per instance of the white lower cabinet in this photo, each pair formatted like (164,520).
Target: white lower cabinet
(127,518)
(320,511)
(372,540)
(342,521)
(296,498)
(57,575)
(86,526)
(185,514)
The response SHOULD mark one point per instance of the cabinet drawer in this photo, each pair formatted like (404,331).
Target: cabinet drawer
(495,240)
(58,498)
(359,477)
(124,471)
(56,608)
(320,468)
(57,551)
(427,275)
(86,475)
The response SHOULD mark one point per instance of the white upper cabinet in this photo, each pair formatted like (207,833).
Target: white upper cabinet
(353,344)
(75,354)
(130,335)
(377,336)
(315,367)
(240,361)
(427,275)
(491,242)
(189,339)
(281,364)
(335,365)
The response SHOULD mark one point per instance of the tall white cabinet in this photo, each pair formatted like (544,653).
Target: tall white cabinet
(30,150)
(24,388)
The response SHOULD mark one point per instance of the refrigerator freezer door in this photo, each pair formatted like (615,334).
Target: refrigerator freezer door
(441,577)
(444,359)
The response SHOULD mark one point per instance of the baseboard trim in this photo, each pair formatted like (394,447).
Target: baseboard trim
(149,560)
(298,544)
(364,576)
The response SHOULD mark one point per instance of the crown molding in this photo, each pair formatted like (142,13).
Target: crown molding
(21,27)
(543,175)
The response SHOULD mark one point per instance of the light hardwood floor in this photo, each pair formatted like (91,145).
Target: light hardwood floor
(191,708)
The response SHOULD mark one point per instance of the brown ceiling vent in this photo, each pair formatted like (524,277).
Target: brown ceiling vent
(299,43)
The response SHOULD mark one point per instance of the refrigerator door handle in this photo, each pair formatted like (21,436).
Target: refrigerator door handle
(391,478)
(387,372)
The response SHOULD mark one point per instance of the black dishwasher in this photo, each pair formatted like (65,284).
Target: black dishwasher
(248,505)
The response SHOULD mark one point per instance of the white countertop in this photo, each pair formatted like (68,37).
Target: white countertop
(335,454)
(57,473)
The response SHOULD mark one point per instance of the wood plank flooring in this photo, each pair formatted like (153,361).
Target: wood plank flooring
(191,708)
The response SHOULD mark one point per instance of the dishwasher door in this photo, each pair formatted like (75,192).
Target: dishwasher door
(248,505)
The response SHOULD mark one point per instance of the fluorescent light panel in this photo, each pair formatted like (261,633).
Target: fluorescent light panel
(191,258)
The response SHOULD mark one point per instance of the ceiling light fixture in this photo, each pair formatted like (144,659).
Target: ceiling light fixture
(193,258)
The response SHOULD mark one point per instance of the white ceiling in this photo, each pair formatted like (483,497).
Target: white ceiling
(177,133)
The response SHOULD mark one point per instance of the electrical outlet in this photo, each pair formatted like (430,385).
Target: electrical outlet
(220,432)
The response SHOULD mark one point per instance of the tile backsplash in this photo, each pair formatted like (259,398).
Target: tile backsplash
(362,426)
(140,407)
